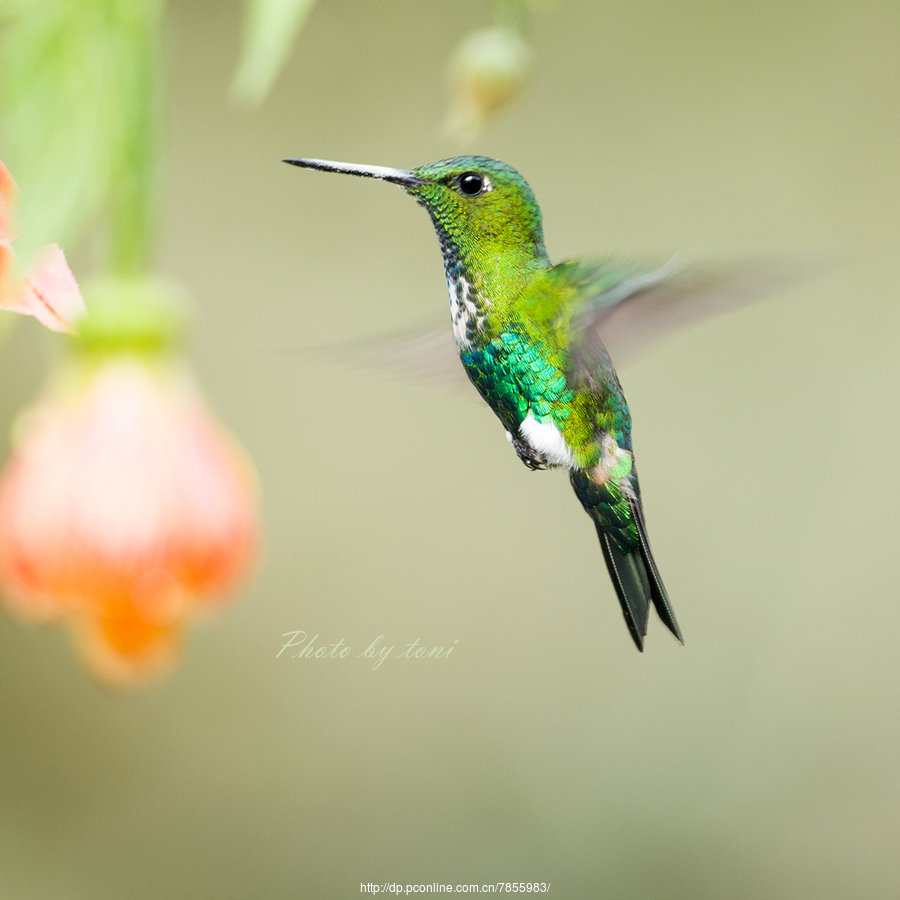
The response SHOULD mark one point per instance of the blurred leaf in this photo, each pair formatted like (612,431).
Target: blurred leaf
(52,69)
(78,90)
(271,27)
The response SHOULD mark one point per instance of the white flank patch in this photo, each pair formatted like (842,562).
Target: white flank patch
(546,438)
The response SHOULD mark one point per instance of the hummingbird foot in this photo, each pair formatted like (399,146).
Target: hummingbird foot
(534,459)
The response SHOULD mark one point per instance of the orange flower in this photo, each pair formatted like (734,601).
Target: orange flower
(123,507)
(47,290)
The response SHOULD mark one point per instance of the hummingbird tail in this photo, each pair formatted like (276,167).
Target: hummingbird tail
(633,571)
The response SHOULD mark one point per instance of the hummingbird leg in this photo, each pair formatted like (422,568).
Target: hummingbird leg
(534,459)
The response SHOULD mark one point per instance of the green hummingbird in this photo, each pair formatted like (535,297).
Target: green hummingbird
(528,336)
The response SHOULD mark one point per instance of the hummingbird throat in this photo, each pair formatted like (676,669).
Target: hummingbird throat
(467,307)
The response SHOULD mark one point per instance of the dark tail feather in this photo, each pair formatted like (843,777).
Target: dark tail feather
(637,582)
(629,577)
(633,571)
(657,588)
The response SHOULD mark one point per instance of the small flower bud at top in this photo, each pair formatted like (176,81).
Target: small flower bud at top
(488,70)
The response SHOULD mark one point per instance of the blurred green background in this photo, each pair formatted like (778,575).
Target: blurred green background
(760,760)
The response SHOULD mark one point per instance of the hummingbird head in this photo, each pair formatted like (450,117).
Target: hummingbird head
(482,207)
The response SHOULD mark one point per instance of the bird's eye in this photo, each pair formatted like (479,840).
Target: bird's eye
(472,184)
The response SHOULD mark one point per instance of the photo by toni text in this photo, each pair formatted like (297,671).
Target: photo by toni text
(377,651)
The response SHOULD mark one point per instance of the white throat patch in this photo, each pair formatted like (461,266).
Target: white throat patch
(463,310)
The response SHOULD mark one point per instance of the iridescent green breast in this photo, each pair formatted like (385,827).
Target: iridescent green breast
(519,376)
(515,374)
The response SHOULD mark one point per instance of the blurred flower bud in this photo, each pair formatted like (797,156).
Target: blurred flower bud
(47,290)
(124,505)
(487,71)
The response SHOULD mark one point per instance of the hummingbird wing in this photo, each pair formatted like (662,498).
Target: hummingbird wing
(628,304)
(654,299)
(425,355)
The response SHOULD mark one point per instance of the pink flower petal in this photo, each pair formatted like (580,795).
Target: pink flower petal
(51,293)
(124,508)
(7,192)
(48,291)
(12,288)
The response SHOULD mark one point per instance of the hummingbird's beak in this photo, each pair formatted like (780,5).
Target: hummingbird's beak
(382,173)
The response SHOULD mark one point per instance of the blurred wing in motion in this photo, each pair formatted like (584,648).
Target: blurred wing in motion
(686,290)
(425,355)
(653,299)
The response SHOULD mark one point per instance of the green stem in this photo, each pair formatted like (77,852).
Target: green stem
(134,176)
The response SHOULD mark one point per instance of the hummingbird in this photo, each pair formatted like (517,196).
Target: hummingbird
(527,332)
